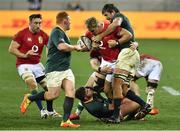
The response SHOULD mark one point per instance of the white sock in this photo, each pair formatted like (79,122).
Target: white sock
(150,97)
(79,108)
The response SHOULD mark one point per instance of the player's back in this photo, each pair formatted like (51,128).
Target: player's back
(98,107)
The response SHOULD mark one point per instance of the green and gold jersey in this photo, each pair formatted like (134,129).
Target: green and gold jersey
(57,60)
(98,107)
(126,25)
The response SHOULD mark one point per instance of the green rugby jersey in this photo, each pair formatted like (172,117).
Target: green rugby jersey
(126,25)
(98,107)
(57,60)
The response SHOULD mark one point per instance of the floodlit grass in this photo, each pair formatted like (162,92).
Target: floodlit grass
(12,90)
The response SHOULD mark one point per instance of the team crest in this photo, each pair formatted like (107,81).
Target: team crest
(40,39)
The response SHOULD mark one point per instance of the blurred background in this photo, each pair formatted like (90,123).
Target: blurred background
(149,18)
(133,5)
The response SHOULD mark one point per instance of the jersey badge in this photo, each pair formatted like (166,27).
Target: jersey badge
(40,39)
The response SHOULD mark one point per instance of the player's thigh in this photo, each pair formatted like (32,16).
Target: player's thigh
(25,71)
(156,72)
(134,87)
(107,86)
(69,83)
(54,79)
(91,80)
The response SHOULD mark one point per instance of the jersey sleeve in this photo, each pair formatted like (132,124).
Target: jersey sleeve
(57,37)
(118,15)
(18,37)
(88,34)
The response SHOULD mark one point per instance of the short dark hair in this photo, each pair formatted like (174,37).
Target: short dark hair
(91,23)
(109,8)
(80,93)
(60,16)
(34,16)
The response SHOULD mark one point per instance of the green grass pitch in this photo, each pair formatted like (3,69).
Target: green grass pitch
(12,90)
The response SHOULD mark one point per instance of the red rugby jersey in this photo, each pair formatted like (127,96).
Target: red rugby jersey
(28,41)
(108,54)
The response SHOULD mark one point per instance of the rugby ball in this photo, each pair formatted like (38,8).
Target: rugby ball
(85,43)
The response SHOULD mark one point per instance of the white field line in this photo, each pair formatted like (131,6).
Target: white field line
(171,91)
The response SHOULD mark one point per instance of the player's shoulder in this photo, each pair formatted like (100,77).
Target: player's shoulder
(88,34)
(23,31)
(43,33)
(106,22)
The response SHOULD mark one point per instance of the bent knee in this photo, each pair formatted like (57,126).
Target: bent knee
(29,80)
(52,94)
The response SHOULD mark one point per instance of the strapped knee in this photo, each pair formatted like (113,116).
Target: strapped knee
(153,85)
(29,79)
(125,77)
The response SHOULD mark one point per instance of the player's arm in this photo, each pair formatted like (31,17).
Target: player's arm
(13,49)
(94,62)
(67,48)
(116,22)
(124,35)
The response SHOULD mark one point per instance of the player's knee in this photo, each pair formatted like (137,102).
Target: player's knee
(70,93)
(126,78)
(29,80)
(52,94)
(43,84)
(152,85)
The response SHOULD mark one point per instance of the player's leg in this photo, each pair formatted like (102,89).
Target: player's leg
(54,87)
(150,90)
(68,84)
(152,83)
(25,71)
(50,111)
(128,107)
(128,63)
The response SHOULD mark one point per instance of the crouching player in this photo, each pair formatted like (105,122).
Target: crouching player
(150,68)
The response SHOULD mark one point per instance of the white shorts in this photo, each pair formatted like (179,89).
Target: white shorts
(36,70)
(150,68)
(110,64)
(55,78)
(128,60)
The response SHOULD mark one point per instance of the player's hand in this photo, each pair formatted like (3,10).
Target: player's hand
(30,53)
(97,38)
(95,45)
(106,69)
(133,45)
(77,48)
(112,43)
